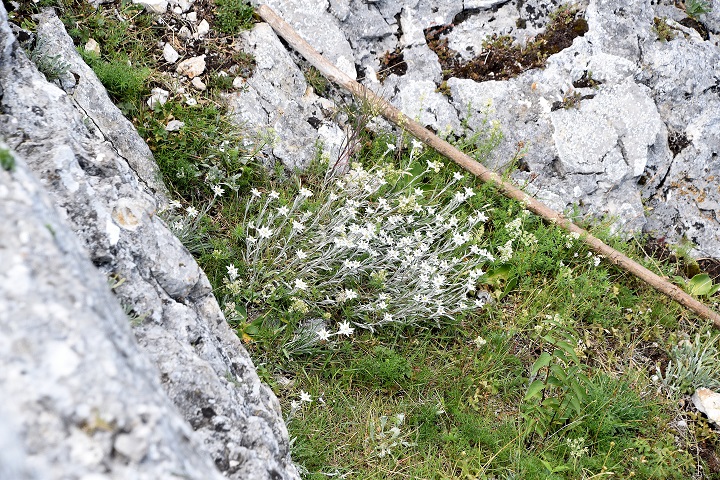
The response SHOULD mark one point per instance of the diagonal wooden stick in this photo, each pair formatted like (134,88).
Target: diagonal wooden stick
(465,161)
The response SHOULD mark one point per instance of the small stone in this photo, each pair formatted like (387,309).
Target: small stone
(197,83)
(192,67)
(190,101)
(158,96)
(153,6)
(191,17)
(183,4)
(239,83)
(203,28)
(92,46)
(170,54)
(708,402)
(184,32)
(174,125)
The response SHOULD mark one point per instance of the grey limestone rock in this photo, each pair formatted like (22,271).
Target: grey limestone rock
(277,103)
(641,144)
(110,403)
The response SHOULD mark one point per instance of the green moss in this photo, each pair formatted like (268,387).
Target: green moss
(7,161)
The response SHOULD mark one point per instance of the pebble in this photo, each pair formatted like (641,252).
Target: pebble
(158,96)
(197,83)
(192,67)
(203,28)
(708,402)
(174,125)
(92,46)
(170,54)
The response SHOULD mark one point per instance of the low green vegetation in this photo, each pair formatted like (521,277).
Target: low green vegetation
(7,161)
(413,322)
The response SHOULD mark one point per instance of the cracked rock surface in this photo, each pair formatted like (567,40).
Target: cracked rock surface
(176,395)
(639,145)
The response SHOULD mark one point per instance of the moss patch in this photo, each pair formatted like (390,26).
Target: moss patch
(502,59)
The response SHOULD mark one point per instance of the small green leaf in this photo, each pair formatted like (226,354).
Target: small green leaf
(534,389)
(542,361)
(700,284)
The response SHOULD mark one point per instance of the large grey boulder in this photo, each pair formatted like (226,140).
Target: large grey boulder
(78,393)
(181,397)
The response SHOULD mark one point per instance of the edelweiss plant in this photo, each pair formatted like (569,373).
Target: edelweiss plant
(378,247)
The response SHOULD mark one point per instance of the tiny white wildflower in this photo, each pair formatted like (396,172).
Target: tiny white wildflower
(457,176)
(256,193)
(251,240)
(479,341)
(459,197)
(294,405)
(178,225)
(274,195)
(305,397)
(469,193)
(390,147)
(304,192)
(479,302)
(323,334)
(381,305)
(174,205)
(416,144)
(298,226)
(283,211)
(218,190)
(345,329)
(232,272)
(387,318)
(192,211)
(264,232)
(300,254)
(300,285)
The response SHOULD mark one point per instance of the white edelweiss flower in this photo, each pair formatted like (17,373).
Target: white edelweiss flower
(256,193)
(459,197)
(305,397)
(192,211)
(232,272)
(274,195)
(323,334)
(300,254)
(178,225)
(345,329)
(387,318)
(264,232)
(174,205)
(283,211)
(390,147)
(381,305)
(350,294)
(218,190)
(294,405)
(251,240)
(479,341)
(469,193)
(416,144)
(300,285)
(298,226)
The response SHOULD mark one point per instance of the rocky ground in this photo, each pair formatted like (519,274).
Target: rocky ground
(611,110)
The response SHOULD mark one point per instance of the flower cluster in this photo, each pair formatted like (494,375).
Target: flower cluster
(377,248)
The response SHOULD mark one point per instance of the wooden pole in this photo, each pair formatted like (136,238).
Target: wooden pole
(394,115)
